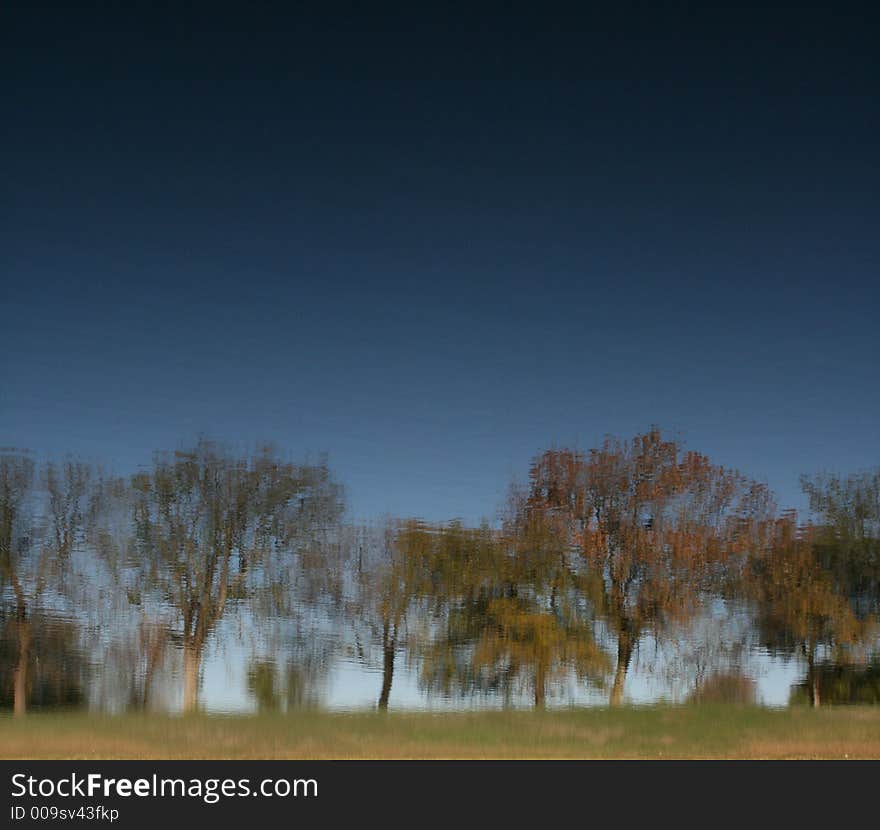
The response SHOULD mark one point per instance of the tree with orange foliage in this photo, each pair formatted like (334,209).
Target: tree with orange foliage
(656,526)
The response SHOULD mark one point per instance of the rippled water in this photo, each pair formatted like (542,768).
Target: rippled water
(233,583)
(70,665)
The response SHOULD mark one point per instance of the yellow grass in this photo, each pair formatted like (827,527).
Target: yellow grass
(650,732)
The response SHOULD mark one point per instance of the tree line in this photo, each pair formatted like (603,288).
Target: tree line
(595,553)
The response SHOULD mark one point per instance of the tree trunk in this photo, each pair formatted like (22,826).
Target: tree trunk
(540,687)
(387,672)
(19,706)
(624,655)
(813,681)
(155,643)
(192,659)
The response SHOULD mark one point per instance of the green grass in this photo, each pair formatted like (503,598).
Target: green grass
(649,732)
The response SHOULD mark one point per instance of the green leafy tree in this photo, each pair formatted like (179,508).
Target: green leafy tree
(802,608)
(847,540)
(511,616)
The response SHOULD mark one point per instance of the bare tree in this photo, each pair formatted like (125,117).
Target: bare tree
(39,530)
(213,528)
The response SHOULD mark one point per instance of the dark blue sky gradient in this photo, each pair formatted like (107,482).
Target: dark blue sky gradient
(434,279)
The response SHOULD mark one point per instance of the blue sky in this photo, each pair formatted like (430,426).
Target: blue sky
(432,281)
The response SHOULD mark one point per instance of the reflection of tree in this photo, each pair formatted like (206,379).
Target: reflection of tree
(520,641)
(801,608)
(637,539)
(142,639)
(56,669)
(725,687)
(654,523)
(33,559)
(136,666)
(16,480)
(262,685)
(295,682)
(847,539)
(68,488)
(510,617)
(707,648)
(840,683)
(211,528)
(388,572)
